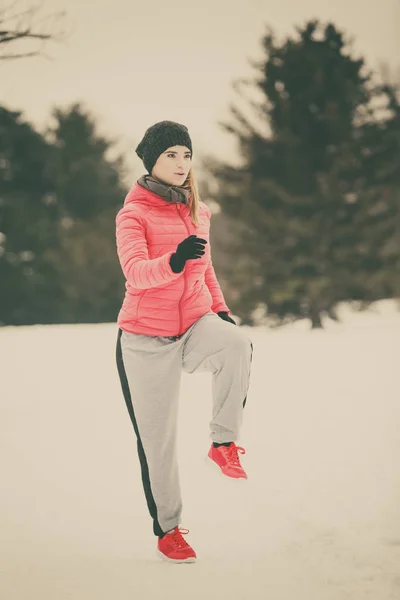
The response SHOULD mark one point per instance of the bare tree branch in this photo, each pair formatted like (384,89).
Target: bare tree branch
(19,26)
(10,36)
(27,54)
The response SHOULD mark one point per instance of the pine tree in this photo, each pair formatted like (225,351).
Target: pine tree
(379,186)
(59,195)
(28,223)
(88,180)
(89,193)
(298,188)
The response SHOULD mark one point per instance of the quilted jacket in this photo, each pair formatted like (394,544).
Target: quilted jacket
(157,301)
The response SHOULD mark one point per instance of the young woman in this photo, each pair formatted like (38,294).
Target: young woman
(174,317)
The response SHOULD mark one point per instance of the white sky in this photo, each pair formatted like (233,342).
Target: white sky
(134,63)
(317,519)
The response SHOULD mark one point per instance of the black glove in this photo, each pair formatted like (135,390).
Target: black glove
(191,248)
(224,315)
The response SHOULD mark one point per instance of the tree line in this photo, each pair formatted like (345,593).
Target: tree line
(311,214)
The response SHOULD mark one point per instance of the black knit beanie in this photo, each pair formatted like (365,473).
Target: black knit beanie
(158,138)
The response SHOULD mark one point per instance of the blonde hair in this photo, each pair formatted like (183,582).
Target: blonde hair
(194,198)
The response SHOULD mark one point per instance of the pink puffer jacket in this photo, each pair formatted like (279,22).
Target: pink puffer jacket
(158,301)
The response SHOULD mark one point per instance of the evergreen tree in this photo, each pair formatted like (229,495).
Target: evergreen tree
(28,224)
(298,189)
(59,195)
(89,192)
(87,180)
(379,186)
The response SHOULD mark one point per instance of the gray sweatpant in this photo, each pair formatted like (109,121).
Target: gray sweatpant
(150,372)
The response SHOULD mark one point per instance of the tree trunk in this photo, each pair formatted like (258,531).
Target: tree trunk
(315,317)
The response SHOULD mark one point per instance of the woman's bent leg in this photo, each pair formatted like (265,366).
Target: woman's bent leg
(225,350)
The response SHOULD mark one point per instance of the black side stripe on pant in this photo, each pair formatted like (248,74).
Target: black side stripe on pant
(251,360)
(142,457)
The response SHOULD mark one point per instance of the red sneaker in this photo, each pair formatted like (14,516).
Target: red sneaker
(174,548)
(226,457)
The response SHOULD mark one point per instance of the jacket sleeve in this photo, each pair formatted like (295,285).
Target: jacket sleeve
(215,290)
(211,280)
(140,271)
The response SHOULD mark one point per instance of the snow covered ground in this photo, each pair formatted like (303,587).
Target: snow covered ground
(318,518)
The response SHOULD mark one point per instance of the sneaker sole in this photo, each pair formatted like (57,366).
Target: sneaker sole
(191,559)
(213,465)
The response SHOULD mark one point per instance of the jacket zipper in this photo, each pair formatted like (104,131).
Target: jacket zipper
(178,207)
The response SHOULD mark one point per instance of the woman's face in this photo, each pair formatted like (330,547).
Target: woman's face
(172,162)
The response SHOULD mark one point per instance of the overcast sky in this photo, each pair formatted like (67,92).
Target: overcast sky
(135,63)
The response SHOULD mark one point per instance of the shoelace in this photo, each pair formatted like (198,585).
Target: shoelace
(231,453)
(177,539)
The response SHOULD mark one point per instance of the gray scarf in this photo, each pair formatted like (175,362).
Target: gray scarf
(170,193)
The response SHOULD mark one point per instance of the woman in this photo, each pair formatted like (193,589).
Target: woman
(174,317)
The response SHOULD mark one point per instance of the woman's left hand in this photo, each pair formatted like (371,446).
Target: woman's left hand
(224,315)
